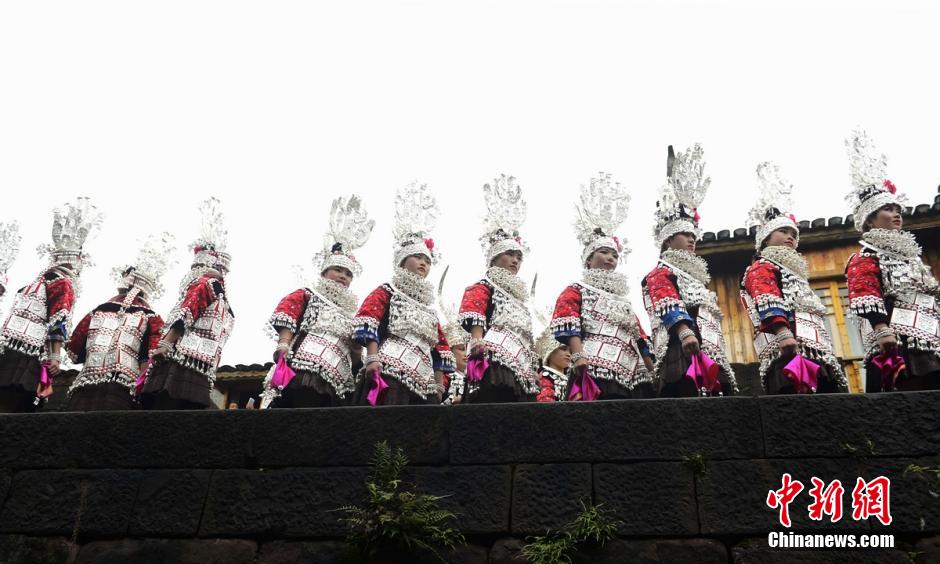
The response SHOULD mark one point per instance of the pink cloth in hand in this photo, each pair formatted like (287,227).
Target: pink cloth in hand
(283,373)
(142,379)
(802,372)
(585,385)
(704,372)
(476,367)
(379,387)
(891,366)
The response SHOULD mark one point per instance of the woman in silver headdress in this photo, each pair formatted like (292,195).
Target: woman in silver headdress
(892,292)
(609,349)
(314,325)
(687,340)
(181,374)
(788,317)
(113,341)
(407,352)
(33,335)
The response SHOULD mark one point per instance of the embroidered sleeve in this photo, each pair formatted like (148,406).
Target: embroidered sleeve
(76,345)
(198,297)
(289,311)
(762,283)
(154,329)
(60,298)
(866,296)
(643,343)
(370,315)
(663,299)
(474,305)
(442,356)
(566,319)
(546,390)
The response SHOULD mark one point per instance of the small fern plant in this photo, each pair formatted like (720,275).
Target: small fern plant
(396,521)
(592,528)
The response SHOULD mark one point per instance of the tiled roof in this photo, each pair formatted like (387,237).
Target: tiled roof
(922,215)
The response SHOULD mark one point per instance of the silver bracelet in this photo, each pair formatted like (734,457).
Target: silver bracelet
(166,345)
(575,357)
(56,357)
(283,346)
(370,358)
(783,335)
(888,331)
(685,333)
(475,343)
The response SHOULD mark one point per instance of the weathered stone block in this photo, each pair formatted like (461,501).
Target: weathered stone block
(507,551)
(915,489)
(651,498)
(324,552)
(588,432)
(158,551)
(289,502)
(16,549)
(733,495)
(170,502)
(928,550)
(546,496)
(345,436)
(666,551)
(905,424)
(756,551)
(479,495)
(55,502)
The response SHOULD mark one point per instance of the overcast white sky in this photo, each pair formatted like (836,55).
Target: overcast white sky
(277,107)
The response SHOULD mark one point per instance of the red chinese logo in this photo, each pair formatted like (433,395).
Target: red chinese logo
(869,499)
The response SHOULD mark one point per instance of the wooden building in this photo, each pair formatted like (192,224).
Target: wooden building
(827,245)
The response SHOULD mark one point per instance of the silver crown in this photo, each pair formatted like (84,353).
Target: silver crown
(505,212)
(416,214)
(602,207)
(871,188)
(9,248)
(684,191)
(771,211)
(210,247)
(72,225)
(156,255)
(350,228)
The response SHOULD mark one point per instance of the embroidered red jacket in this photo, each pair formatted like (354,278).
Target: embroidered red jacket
(866,295)
(762,283)
(566,319)
(77,343)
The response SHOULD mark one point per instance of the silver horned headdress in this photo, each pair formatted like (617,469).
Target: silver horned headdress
(603,206)
(684,191)
(156,255)
(209,249)
(72,225)
(350,228)
(871,188)
(9,248)
(505,213)
(771,211)
(416,214)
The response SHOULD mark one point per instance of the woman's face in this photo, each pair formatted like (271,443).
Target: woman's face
(682,242)
(783,237)
(418,264)
(339,275)
(887,217)
(460,356)
(510,260)
(604,258)
(560,359)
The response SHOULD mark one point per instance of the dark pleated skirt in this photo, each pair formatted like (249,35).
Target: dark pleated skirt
(173,386)
(673,382)
(396,393)
(922,372)
(777,383)
(19,376)
(110,396)
(307,389)
(499,385)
